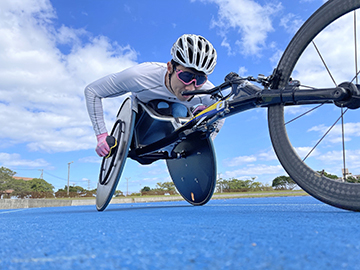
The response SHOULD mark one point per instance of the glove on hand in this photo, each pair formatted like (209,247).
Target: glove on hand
(199,109)
(102,148)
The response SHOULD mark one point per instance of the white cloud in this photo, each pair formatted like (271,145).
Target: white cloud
(91,159)
(237,161)
(250,19)
(333,161)
(291,23)
(242,71)
(268,156)
(41,88)
(253,171)
(15,160)
(338,56)
(335,136)
(305,150)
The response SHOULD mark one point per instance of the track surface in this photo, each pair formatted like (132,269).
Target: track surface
(258,233)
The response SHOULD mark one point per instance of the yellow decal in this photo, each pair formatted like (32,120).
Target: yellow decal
(210,108)
(192,196)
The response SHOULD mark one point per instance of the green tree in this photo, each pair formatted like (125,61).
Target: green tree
(6,176)
(40,185)
(19,186)
(352,179)
(74,191)
(145,189)
(283,182)
(328,175)
(77,189)
(256,186)
(166,186)
(117,193)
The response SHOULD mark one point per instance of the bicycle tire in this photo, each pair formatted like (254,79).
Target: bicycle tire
(339,194)
(112,167)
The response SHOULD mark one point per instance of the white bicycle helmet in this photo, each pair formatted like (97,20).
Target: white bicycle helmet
(193,51)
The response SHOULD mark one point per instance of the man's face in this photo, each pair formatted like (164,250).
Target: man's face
(178,86)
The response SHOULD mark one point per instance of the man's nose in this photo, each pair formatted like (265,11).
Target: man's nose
(190,87)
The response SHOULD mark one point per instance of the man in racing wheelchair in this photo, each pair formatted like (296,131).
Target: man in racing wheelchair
(193,59)
(156,108)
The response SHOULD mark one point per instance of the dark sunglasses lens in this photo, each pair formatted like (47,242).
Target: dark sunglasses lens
(200,79)
(186,76)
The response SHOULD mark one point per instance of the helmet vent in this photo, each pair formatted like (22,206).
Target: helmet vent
(181,44)
(190,41)
(190,54)
(199,45)
(198,59)
(204,62)
(210,62)
(179,56)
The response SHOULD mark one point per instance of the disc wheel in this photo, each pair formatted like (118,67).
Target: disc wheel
(112,167)
(194,175)
(320,146)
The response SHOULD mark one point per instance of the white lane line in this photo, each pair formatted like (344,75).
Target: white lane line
(12,211)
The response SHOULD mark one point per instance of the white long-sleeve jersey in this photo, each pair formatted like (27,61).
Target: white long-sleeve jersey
(146,81)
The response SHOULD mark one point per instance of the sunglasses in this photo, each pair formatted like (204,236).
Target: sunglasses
(187,78)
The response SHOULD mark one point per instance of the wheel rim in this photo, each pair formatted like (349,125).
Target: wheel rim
(288,134)
(109,178)
(332,140)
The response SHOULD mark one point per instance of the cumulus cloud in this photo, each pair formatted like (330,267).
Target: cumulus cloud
(335,136)
(291,23)
(41,87)
(15,160)
(251,20)
(253,171)
(240,160)
(339,57)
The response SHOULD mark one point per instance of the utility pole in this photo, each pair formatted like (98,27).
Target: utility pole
(68,177)
(127,185)
(88,184)
(42,173)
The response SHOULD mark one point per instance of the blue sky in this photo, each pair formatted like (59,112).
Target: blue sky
(50,50)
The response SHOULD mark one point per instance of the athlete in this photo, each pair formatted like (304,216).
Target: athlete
(193,59)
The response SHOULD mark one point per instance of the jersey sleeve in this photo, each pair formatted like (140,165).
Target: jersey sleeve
(134,79)
(94,92)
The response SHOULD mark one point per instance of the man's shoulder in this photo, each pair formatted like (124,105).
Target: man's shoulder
(152,65)
(147,68)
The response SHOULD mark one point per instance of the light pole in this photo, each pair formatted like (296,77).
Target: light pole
(68,177)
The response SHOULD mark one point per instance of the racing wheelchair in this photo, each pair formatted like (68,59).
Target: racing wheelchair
(186,145)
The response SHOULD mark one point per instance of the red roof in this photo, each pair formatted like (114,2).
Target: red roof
(22,178)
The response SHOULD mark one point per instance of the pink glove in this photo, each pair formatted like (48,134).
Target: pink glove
(102,148)
(199,109)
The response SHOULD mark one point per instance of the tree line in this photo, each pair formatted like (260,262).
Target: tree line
(39,188)
(35,188)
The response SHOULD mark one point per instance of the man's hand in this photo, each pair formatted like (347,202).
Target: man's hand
(199,109)
(102,148)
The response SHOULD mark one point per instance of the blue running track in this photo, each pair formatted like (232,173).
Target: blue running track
(257,233)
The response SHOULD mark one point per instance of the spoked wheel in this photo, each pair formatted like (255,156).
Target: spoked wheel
(320,148)
(111,167)
(194,175)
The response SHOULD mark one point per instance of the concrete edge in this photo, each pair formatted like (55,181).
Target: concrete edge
(38,203)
